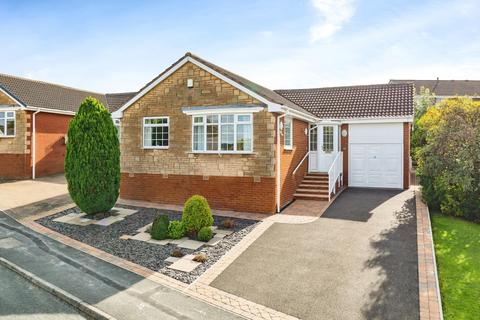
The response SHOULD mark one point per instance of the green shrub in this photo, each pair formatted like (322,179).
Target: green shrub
(92,161)
(449,162)
(205,234)
(176,230)
(160,228)
(196,214)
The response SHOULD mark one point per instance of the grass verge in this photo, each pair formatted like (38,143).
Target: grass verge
(457,248)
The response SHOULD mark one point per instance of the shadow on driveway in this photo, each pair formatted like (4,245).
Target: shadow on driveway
(338,267)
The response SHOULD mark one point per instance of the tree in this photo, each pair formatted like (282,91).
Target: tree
(92,162)
(449,162)
(421,105)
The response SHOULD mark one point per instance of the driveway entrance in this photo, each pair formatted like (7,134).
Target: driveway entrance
(358,261)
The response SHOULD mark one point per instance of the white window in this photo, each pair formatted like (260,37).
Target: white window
(288,133)
(117,124)
(155,132)
(328,139)
(7,123)
(222,133)
(313,137)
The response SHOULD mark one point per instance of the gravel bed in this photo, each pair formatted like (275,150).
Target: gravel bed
(152,256)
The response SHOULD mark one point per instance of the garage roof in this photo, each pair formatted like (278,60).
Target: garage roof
(366,101)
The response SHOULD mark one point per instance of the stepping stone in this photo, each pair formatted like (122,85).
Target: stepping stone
(191,244)
(189,256)
(178,241)
(214,241)
(184,265)
(80,221)
(172,259)
(125,237)
(219,235)
(142,236)
(108,221)
(160,242)
(122,211)
(144,229)
(68,217)
(224,232)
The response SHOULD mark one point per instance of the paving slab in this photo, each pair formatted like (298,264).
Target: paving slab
(191,244)
(143,236)
(172,259)
(185,265)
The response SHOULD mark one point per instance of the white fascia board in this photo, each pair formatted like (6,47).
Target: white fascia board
(379,120)
(272,107)
(297,114)
(21,104)
(206,110)
(45,110)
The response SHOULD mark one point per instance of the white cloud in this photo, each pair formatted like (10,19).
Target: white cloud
(334,14)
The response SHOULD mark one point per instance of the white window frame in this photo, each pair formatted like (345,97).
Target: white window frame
(332,142)
(118,124)
(235,123)
(155,125)
(14,124)
(290,145)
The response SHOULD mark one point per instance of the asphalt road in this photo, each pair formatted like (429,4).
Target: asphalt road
(20,299)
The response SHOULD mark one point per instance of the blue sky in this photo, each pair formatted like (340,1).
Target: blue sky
(114,46)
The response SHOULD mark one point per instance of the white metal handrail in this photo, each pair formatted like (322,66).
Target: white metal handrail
(300,163)
(334,172)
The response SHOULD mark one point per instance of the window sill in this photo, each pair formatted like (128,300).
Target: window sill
(6,137)
(222,152)
(155,148)
(287,148)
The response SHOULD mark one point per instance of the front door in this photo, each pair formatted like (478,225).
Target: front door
(324,145)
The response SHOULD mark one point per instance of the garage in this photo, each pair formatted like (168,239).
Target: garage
(376,155)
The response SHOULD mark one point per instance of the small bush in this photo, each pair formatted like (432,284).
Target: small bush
(201,257)
(176,230)
(205,234)
(160,228)
(177,253)
(196,214)
(228,224)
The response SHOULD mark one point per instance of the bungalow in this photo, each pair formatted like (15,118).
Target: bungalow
(34,118)
(200,129)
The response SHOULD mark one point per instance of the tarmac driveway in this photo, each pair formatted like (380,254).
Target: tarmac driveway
(358,261)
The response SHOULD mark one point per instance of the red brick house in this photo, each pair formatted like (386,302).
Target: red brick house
(200,129)
(34,118)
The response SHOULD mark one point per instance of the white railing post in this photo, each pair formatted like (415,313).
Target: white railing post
(334,172)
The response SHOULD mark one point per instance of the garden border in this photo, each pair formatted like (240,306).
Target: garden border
(430,300)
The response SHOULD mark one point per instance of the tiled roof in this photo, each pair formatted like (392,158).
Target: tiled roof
(258,89)
(117,100)
(368,101)
(40,94)
(446,87)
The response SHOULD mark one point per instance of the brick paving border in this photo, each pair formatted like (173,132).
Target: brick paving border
(429,290)
(200,290)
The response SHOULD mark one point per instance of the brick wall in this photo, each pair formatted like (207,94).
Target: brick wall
(344,148)
(406,155)
(168,99)
(15,166)
(289,159)
(229,193)
(50,147)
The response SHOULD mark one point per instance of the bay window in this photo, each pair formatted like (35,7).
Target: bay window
(7,124)
(155,132)
(222,133)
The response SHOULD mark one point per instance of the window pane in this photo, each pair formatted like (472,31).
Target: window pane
(10,127)
(328,139)
(197,119)
(198,136)
(244,137)
(156,136)
(212,137)
(227,118)
(244,118)
(156,121)
(288,132)
(10,114)
(227,137)
(2,127)
(313,139)
(212,119)
(2,115)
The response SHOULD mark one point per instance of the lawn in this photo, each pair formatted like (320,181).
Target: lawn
(457,246)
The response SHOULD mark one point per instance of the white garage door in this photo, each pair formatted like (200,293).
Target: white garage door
(375,155)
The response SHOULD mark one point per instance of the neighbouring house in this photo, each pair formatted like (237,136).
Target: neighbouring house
(200,129)
(444,89)
(34,118)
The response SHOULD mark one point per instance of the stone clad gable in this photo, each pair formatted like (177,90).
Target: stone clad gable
(5,100)
(167,99)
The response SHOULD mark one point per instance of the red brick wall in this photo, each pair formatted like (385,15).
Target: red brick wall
(50,147)
(344,148)
(406,155)
(228,193)
(289,159)
(15,166)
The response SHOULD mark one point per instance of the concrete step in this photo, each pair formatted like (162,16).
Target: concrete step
(319,179)
(312,191)
(313,186)
(306,196)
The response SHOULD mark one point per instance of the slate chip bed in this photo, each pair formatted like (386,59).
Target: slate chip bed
(152,256)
